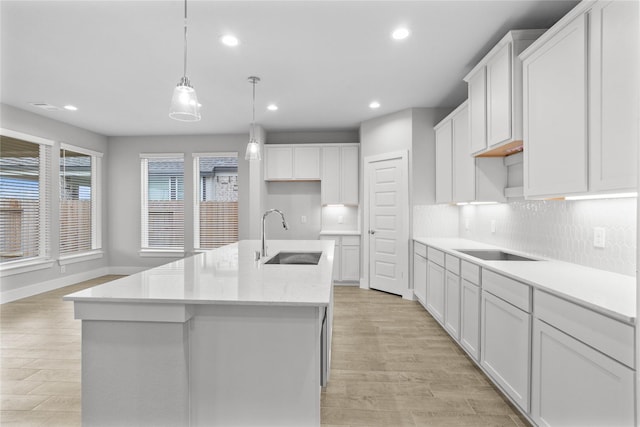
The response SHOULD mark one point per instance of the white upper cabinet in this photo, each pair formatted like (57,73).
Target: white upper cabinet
(581,103)
(613,93)
(459,176)
(340,174)
(292,162)
(555,155)
(495,95)
(444,162)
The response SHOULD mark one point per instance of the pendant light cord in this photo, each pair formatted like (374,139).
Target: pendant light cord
(185,38)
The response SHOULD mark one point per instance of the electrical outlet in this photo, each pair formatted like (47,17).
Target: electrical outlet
(466,224)
(493,226)
(63,268)
(340,219)
(598,237)
(303,219)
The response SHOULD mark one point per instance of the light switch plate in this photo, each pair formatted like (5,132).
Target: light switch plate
(598,237)
(340,219)
(493,225)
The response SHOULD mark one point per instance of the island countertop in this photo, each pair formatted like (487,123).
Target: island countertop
(227,275)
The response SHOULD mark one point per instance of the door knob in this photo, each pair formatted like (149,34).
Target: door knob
(372,231)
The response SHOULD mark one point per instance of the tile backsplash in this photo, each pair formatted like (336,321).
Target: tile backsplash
(562,230)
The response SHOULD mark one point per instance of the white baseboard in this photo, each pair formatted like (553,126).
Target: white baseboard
(50,285)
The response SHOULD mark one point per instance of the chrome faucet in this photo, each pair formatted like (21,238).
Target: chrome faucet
(263,253)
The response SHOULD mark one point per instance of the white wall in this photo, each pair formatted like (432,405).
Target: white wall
(45,127)
(313,137)
(124,190)
(294,199)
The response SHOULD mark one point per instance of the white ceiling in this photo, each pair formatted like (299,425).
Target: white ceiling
(322,62)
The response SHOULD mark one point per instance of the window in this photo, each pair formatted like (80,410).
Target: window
(79,200)
(162,202)
(216,198)
(25,193)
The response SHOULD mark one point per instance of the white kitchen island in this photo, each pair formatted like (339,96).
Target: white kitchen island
(216,339)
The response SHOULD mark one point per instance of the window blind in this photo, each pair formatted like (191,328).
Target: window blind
(24,199)
(216,198)
(162,202)
(76,202)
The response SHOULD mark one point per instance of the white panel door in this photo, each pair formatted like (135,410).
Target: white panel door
(506,345)
(435,290)
(444,159)
(349,175)
(470,318)
(575,385)
(464,164)
(386,232)
(420,277)
(613,91)
(499,96)
(478,111)
(555,114)
(350,263)
(330,185)
(306,162)
(278,163)
(452,305)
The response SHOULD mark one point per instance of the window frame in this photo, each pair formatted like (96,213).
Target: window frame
(197,193)
(96,207)
(145,250)
(44,259)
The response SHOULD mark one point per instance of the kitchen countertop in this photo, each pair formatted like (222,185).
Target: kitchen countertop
(227,275)
(340,233)
(611,294)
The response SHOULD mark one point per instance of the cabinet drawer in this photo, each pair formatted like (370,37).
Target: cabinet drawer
(470,272)
(420,249)
(435,256)
(510,290)
(609,336)
(452,264)
(350,240)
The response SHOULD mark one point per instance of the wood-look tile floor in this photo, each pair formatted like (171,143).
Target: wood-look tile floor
(392,365)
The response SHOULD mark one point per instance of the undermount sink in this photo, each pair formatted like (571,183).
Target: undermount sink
(494,255)
(300,258)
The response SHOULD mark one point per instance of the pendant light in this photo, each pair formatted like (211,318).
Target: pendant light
(184,103)
(253,147)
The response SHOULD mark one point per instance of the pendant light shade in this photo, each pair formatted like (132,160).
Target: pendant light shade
(184,103)
(253,147)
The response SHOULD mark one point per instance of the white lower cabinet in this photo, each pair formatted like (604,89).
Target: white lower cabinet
(435,290)
(452,305)
(420,272)
(346,261)
(575,385)
(470,318)
(505,347)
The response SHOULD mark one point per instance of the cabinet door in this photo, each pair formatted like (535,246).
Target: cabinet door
(350,263)
(337,257)
(279,163)
(505,347)
(575,385)
(435,291)
(420,277)
(306,162)
(464,165)
(478,111)
(330,186)
(470,318)
(499,117)
(349,175)
(613,92)
(555,111)
(452,305)
(444,163)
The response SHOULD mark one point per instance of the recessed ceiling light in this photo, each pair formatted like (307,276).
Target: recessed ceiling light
(272,107)
(230,40)
(71,107)
(400,33)
(374,105)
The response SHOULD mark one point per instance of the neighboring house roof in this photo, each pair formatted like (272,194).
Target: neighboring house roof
(207,165)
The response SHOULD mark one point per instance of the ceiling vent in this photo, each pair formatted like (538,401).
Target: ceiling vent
(45,106)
